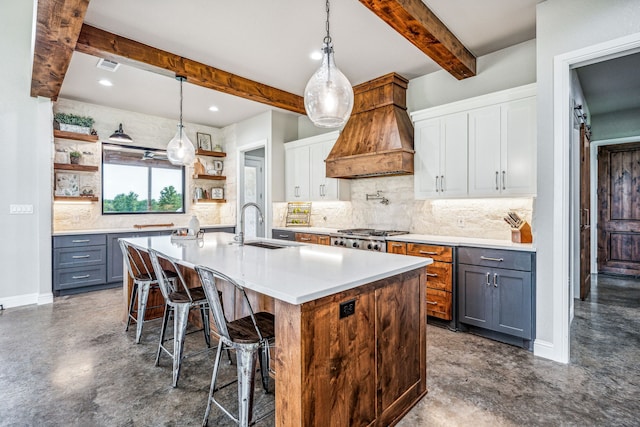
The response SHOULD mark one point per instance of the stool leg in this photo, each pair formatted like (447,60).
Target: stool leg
(246,360)
(214,377)
(264,366)
(143,296)
(165,319)
(132,300)
(204,313)
(180,317)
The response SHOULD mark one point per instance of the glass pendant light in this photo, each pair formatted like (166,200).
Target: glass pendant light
(180,150)
(328,96)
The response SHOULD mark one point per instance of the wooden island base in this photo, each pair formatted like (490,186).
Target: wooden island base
(368,368)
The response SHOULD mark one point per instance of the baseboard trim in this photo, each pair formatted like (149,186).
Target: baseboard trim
(45,298)
(546,350)
(26,299)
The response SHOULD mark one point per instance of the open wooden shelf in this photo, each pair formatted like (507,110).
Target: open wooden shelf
(76,198)
(75,136)
(77,168)
(200,152)
(211,177)
(210,201)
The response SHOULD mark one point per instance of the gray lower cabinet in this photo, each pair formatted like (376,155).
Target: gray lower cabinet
(79,263)
(496,294)
(283,235)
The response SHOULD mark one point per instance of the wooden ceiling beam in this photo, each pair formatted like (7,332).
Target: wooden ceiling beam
(58,24)
(100,43)
(418,24)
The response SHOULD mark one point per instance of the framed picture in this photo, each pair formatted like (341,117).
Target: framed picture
(204,141)
(67,184)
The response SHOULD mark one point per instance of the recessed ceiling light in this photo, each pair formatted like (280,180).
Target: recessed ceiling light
(316,56)
(213,108)
(105,82)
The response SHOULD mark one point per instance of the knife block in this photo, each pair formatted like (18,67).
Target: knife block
(522,234)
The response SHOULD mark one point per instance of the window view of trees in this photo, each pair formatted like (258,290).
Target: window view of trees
(138,180)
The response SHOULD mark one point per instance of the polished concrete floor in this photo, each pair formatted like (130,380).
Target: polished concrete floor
(71,364)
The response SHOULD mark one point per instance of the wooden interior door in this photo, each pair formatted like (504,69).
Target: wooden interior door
(619,209)
(585,212)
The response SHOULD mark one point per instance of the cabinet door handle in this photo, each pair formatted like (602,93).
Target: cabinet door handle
(437,184)
(486,258)
(305,239)
(442,183)
(488,276)
(432,302)
(397,245)
(497,187)
(427,253)
(80,256)
(431,274)
(86,276)
(80,241)
(504,187)
(495,280)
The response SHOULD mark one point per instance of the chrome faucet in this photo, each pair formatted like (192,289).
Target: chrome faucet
(240,237)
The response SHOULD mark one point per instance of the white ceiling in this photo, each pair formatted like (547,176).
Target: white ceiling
(270,41)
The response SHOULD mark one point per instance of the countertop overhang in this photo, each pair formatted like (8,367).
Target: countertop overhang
(132,230)
(296,274)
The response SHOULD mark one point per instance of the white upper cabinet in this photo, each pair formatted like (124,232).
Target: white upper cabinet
(479,147)
(306,177)
(440,162)
(502,142)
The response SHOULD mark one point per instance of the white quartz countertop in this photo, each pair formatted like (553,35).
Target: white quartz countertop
(132,230)
(295,274)
(463,241)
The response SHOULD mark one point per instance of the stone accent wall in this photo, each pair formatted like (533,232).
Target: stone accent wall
(146,131)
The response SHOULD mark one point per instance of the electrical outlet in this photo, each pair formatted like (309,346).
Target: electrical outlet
(20,209)
(347,308)
(460,222)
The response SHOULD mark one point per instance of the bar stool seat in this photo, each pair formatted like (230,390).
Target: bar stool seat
(250,336)
(144,279)
(179,301)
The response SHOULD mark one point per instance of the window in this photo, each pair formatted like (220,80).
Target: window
(139,180)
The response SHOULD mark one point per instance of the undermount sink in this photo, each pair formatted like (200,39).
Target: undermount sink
(265,245)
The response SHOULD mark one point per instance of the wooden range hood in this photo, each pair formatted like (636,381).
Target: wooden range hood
(378,138)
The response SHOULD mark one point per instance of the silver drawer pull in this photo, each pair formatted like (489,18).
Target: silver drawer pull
(80,241)
(284,236)
(428,253)
(86,276)
(431,274)
(80,256)
(397,245)
(305,239)
(432,302)
(486,258)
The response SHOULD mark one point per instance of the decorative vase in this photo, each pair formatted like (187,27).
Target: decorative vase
(75,160)
(194,226)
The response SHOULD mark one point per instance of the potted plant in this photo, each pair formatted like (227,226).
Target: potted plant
(73,123)
(74,156)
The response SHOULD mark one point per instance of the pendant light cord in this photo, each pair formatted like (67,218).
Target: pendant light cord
(182,79)
(327,38)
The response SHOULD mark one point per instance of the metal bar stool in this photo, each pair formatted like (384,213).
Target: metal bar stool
(179,300)
(248,336)
(144,279)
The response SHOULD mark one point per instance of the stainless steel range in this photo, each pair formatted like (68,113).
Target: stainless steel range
(367,239)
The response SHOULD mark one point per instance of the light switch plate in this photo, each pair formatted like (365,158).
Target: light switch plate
(20,209)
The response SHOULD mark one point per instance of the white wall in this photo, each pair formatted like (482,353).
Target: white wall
(562,26)
(25,170)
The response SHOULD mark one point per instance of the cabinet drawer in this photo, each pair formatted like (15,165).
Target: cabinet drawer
(438,253)
(511,260)
(69,278)
(439,276)
(283,235)
(306,238)
(78,257)
(397,248)
(79,240)
(439,304)
(324,240)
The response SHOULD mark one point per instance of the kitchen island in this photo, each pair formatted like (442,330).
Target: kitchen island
(350,325)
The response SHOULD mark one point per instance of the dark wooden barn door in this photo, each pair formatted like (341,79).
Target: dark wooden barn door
(619,209)
(585,213)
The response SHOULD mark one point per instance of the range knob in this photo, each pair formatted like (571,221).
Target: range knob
(355,244)
(342,243)
(335,242)
(369,246)
(376,248)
